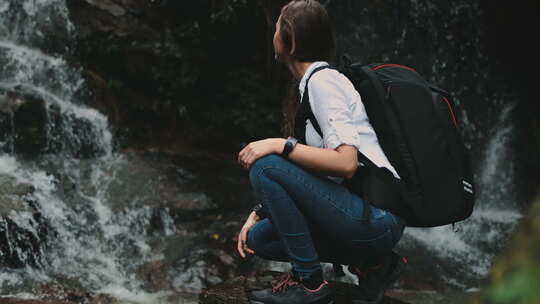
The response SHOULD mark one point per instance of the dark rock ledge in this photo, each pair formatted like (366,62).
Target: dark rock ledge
(234,290)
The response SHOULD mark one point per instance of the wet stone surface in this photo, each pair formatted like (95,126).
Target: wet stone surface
(193,244)
(22,229)
(57,294)
(22,123)
(31,126)
(234,290)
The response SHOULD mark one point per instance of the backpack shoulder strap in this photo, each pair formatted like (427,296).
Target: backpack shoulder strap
(304,111)
(305,101)
(307,107)
(381,185)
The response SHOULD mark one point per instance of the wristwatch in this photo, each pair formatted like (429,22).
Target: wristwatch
(258,209)
(289,146)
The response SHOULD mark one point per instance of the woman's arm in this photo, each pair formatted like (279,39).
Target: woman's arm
(341,162)
(329,93)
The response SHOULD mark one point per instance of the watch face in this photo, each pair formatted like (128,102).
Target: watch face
(288,148)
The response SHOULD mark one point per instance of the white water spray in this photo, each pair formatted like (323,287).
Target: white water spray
(473,246)
(90,242)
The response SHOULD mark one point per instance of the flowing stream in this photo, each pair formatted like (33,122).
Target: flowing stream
(89,242)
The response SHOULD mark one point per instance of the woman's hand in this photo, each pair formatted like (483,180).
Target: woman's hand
(242,237)
(257,149)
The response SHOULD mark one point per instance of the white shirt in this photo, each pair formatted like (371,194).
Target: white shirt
(341,115)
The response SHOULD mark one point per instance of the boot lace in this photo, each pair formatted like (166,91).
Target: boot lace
(284,282)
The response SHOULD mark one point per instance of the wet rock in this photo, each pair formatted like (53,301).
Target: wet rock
(209,257)
(147,181)
(19,301)
(23,122)
(100,299)
(108,16)
(21,245)
(117,50)
(56,294)
(31,126)
(6,122)
(29,122)
(109,6)
(154,275)
(234,290)
(197,270)
(150,62)
(198,248)
(194,201)
(200,254)
(186,185)
(12,195)
(22,229)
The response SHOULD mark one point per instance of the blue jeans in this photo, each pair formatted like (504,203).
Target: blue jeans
(312,219)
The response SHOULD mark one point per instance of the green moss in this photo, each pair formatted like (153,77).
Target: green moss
(515,277)
(518,287)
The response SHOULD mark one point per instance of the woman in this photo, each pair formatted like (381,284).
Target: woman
(311,216)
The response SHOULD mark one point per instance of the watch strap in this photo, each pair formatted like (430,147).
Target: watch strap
(289,146)
(258,209)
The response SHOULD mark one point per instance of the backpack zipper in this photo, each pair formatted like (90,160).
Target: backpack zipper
(393,65)
(443,98)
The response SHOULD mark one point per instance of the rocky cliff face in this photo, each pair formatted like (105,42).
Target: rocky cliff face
(170,71)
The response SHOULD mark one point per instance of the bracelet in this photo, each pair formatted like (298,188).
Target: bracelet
(289,146)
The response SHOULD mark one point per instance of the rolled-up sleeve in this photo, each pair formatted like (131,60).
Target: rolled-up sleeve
(332,110)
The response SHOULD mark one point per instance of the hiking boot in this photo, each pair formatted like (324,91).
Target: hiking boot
(290,289)
(374,280)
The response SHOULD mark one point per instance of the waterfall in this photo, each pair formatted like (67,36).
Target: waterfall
(66,227)
(479,238)
(471,248)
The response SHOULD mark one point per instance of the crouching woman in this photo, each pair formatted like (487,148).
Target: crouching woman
(306,215)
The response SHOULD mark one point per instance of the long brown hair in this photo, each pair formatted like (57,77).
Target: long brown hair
(308,36)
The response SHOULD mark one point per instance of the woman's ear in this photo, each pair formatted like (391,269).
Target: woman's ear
(293,44)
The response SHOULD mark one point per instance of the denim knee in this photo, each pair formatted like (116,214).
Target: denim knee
(266,161)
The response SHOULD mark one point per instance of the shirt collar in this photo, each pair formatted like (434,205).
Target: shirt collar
(310,69)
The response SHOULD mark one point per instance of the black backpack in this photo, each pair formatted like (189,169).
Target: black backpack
(417,129)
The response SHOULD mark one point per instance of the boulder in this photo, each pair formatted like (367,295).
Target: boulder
(23,120)
(186,184)
(30,126)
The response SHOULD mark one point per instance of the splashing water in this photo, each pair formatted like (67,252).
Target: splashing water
(472,248)
(87,241)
